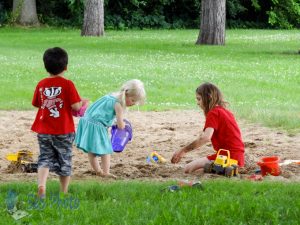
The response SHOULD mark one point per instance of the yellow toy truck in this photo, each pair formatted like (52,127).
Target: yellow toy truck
(154,157)
(223,164)
(22,161)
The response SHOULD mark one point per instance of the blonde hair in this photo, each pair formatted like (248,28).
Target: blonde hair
(132,88)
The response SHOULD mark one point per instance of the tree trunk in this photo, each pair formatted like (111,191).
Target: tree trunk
(213,18)
(93,22)
(25,12)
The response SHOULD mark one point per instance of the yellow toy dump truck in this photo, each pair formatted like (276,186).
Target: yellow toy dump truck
(223,164)
(154,157)
(22,161)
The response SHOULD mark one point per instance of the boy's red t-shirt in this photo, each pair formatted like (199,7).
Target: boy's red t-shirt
(227,134)
(54,97)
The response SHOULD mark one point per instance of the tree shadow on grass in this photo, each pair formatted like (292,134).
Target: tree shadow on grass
(290,52)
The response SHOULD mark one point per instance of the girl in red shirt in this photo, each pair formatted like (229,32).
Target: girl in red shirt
(220,128)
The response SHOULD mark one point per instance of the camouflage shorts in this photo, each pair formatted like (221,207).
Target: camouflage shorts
(56,153)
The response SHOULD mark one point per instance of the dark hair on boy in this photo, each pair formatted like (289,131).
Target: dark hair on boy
(55,60)
(211,96)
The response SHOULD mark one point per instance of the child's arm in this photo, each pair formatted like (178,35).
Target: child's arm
(36,101)
(119,116)
(74,97)
(203,139)
(76,106)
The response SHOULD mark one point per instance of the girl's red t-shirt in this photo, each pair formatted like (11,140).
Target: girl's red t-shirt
(227,134)
(54,97)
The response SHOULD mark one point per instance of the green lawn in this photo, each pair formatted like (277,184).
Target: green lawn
(220,202)
(258,70)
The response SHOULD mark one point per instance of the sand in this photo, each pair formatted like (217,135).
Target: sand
(164,132)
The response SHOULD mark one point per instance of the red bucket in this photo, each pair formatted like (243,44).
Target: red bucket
(269,165)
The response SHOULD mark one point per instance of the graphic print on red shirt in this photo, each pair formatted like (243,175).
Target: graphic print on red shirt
(51,100)
(54,97)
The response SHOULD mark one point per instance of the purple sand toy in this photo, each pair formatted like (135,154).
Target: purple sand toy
(120,137)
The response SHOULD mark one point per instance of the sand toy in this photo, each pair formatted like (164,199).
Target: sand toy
(22,160)
(270,165)
(289,161)
(154,157)
(223,164)
(81,111)
(120,137)
(183,184)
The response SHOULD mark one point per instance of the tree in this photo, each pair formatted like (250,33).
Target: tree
(24,12)
(93,22)
(285,14)
(213,18)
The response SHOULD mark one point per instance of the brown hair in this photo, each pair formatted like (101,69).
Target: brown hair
(211,96)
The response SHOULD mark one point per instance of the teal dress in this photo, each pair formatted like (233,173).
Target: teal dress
(92,131)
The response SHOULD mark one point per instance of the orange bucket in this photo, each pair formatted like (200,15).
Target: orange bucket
(269,165)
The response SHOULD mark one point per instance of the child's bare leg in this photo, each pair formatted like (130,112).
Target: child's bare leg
(64,183)
(42,179)
(95,163)
(196,165)
(105,163)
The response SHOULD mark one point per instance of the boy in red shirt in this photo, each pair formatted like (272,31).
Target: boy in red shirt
(55,97)
(220,128)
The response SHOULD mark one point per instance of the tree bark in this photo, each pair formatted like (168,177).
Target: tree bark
(93,22)
(25,12)
(213,18)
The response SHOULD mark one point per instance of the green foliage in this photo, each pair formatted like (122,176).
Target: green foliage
(76,8)
(3,14)
(233,8)
(13,16)
(66,13)
(285,14)
(255,4)
(165,14)
(3,17)
(237,24)
(151,14)
(223,201)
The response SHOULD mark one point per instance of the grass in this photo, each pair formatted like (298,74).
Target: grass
(221,202)
(257,70)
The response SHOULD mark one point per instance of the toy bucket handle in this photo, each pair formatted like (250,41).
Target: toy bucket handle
(127,123)
(224,150)
(128,128)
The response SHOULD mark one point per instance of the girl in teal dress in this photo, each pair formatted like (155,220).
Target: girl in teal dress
(92,131)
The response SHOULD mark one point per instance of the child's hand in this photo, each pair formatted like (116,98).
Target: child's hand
(85,101)
(82,109)
(177,156)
